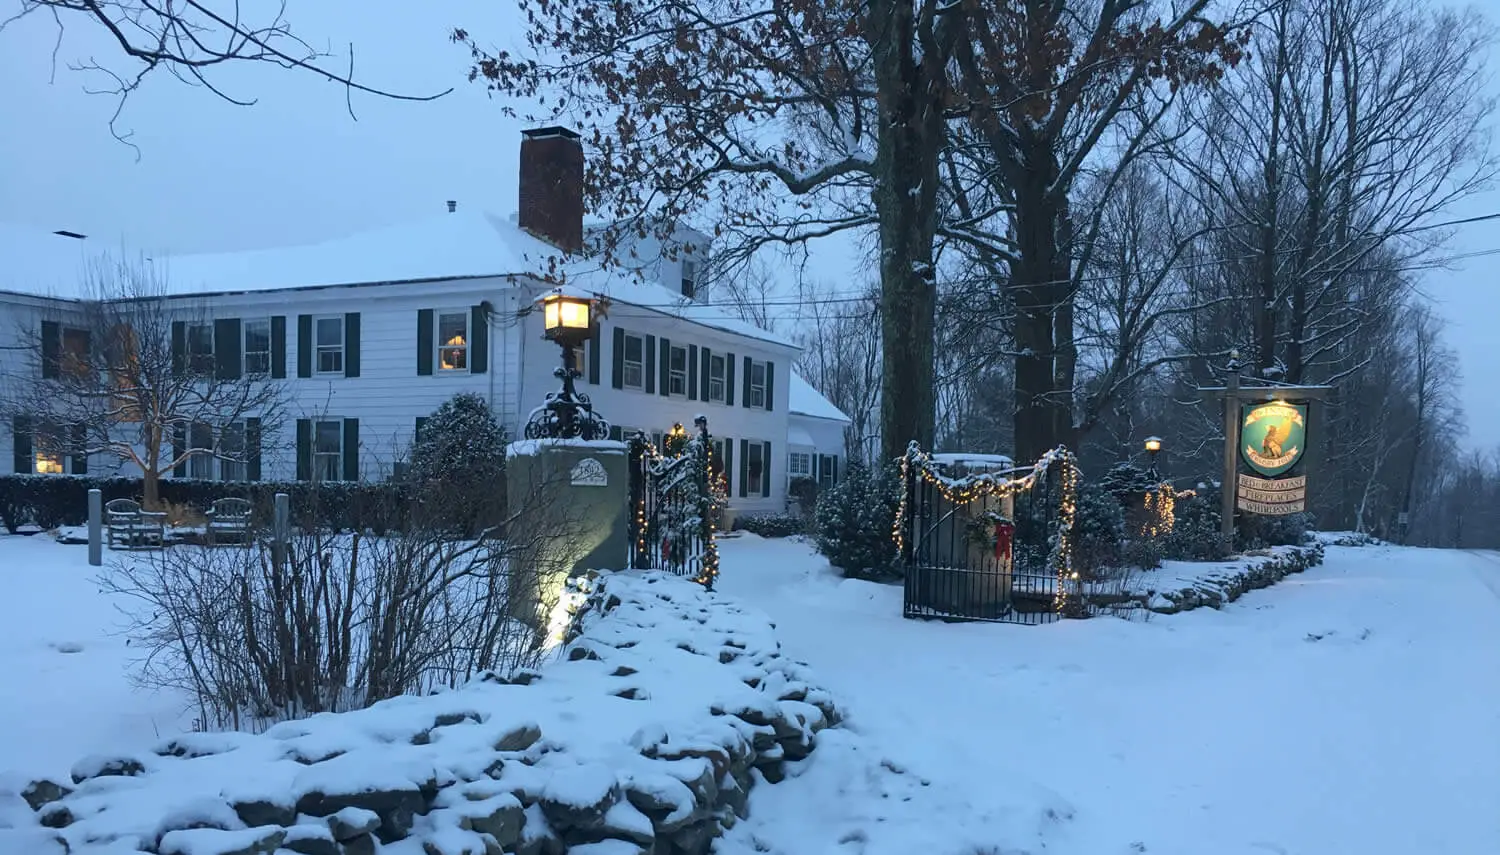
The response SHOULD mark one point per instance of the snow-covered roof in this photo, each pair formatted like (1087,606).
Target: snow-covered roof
(458,245)
(807,401)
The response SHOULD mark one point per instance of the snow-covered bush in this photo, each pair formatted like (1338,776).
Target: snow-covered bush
(331,622)
(855,523)
(1256,531)
(457,466)
(1099,533)
(1195,533)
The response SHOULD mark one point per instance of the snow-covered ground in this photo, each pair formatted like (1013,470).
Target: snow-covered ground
(1351,708)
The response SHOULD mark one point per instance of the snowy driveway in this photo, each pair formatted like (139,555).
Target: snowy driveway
(1353,708)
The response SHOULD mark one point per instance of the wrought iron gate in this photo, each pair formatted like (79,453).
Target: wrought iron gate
(989,547)
(674,506)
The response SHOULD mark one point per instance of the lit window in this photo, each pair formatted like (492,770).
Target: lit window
(755,467)
(635,362)
(328,450)
(47,451)
(453,341)
(716,368)
(49,463)
(799,463)
(330,342)
(758,385)
(677,371)
(257,349)
(200,348)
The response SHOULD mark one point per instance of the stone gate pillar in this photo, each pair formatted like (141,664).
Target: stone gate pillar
(576,493)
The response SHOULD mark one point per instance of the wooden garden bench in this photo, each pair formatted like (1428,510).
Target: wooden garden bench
(129,525)
(229,521)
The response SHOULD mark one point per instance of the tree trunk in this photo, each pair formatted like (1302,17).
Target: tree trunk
(1043,304)
(911,138)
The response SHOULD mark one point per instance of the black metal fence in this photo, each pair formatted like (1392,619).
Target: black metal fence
(978,555)
(667,506)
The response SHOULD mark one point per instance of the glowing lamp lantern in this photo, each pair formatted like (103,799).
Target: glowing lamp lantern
(567,319)
(1153,447)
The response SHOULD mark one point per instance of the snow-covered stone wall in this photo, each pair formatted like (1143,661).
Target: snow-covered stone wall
(667,706)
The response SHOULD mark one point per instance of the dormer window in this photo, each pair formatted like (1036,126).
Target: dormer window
(689,278)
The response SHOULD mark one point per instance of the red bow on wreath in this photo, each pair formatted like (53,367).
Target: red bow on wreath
(1004,533)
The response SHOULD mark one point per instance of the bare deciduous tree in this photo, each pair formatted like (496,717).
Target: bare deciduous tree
(132,375)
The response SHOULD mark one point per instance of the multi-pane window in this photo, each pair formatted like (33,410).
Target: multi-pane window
(232,448)
(328,450)
(635,362)
(677,371)
(48,451)
(200,348)
(329,337)
(453,341)
(757,385)
(799,463)
(75,352)
(689,277)
(257,348)
(755,468)
(716,460)
(716,369)
(201,444)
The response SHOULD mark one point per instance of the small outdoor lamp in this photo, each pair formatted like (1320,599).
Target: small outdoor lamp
(568,318)
(1153,447)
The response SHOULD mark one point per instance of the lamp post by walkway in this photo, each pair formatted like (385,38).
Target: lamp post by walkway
(569,317)
(1153,447)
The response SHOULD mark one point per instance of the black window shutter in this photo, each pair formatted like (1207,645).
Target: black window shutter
(351,449)
(666,366)
(304,449)
(692,378)
(703,374)
(424,342)
(650,364)
(227,348)
(479,340)
(770,385)
(179,347)
(729,379)
(745,468)
(179,445)
(594,357)
(80,450)
(51,350)
(765,471)
(728,466)
(278,347)
(745,392)
(20,434)
(304,345)
(252,449)
(351,344)
(618,380)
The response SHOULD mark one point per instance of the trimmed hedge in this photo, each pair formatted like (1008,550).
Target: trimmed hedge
(50,501)
(772,525)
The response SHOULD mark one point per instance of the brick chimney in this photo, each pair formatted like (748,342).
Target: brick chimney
(552,186)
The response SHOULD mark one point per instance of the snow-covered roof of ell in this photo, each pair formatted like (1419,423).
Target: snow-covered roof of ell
(458,245)
(807,401)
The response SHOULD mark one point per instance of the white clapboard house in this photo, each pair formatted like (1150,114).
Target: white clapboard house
(371,332)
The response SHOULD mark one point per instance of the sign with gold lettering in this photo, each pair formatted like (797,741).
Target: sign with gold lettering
(1273,436)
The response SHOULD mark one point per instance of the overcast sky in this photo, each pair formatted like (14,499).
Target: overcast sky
(295,168)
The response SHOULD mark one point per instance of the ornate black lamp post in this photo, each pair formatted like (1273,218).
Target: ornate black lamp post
(1153,447)
(568,318)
